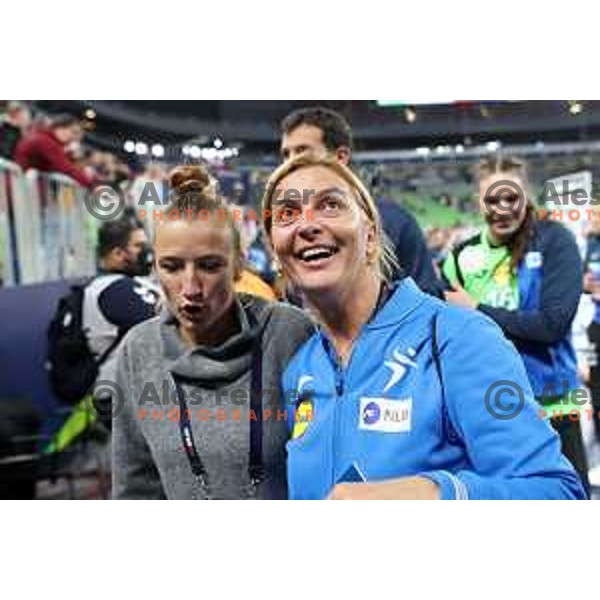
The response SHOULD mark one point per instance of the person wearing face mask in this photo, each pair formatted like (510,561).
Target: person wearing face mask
(121,295)
(98,314)
(526,275)
(201,412)
(394,380)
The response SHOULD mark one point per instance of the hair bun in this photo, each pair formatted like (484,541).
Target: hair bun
(189,178)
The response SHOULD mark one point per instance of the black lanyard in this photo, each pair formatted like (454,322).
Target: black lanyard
(255,462)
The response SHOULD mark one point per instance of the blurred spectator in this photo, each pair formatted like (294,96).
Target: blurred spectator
(15,124)
(147,193)
(437,242)
(525,274)
(97,162)
(45,149)
(107,167)
(120,297)
(251,283)
(256,276)
(154,174)
(254,251)
(591,285)
(122,172)
(323,131)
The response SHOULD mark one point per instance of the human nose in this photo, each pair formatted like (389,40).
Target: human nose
(191,284)
(308,226)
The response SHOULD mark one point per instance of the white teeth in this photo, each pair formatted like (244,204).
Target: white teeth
(310,253)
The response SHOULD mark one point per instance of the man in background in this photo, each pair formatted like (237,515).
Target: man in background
(325,132)
(45,149)
(14,126)
(120,296)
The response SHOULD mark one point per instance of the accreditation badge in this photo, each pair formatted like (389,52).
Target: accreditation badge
(533,260)
(302,418)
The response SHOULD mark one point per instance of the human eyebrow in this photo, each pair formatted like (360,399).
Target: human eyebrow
(162,259)
(213,257)
(282,201)
(331,190)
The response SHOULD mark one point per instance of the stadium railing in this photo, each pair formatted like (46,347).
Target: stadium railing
(46,233)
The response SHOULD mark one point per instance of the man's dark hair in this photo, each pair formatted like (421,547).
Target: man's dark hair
(129,214)
(336,130)
(65,120)
(114,234)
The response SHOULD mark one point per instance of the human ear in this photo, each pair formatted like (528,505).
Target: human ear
(342,154)
(372,245)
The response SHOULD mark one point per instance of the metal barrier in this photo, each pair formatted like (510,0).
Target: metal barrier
(46,233)
(11,192)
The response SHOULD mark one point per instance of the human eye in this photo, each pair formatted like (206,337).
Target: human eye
(170,266)
(286,213)
(331,205)
(211,264)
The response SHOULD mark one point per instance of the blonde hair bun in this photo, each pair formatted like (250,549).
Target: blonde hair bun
(189,178)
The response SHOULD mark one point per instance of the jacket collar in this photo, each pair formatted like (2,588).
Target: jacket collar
(405,298)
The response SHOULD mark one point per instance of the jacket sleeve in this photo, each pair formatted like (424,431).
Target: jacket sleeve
(126,303)
(586,260)
(560,294)
(449,273)
(414,252)
(134,473)
(57,161)
(513,453)
(410,247)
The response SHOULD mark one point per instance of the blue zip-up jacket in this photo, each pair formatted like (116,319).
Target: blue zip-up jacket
(550,286)
(384,412)
(592,264)
(410,246)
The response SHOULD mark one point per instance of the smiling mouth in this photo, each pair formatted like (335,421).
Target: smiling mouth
(316,253)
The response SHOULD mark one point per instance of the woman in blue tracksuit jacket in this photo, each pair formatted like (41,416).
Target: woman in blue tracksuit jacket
(526,275)
(398,395)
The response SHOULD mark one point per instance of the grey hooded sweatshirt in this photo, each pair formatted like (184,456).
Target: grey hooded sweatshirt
(149,458)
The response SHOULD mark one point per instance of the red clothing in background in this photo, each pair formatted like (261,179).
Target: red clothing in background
(41,150)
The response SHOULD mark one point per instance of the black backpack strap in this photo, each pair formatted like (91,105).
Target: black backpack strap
(113,345)
(449,429)
(120,335)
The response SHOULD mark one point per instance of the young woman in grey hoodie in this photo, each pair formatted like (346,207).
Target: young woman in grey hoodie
(199,413)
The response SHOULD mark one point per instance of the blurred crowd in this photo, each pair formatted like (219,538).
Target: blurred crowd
(440,240)
(56,144)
